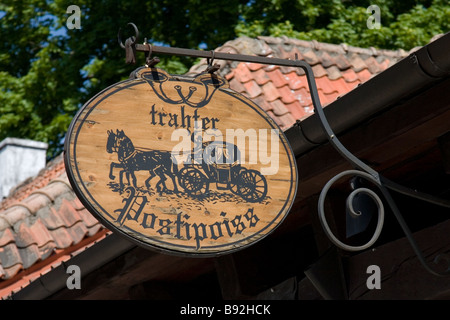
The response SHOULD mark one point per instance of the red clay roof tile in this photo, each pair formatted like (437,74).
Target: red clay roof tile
(294,81)
(364,75)
(29,255)
(357,62)
(262,103)
(296,109)
(41,234)
(254,66)
(350,75)
(68,213)
(287,95)
(9,256)
(261,77)
(277,77)
(236,85)
(77,232)
(278,108)
(285,69)
(310,57)
(6,237)
(373,65)
(303,96)
(319,71)
(24,236)
(62,237)
(242,73)
(252,89)
(326,60)
(333,73)
(341,62)
(270,92)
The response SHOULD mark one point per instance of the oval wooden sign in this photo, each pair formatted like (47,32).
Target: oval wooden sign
(181,165)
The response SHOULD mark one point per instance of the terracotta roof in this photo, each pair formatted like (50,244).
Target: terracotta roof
(43,224)
(283,91)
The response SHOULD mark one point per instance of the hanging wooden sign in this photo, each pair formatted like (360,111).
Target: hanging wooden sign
(181,165)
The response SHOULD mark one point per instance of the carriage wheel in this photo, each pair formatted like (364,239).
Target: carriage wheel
(193,181)
(252,186)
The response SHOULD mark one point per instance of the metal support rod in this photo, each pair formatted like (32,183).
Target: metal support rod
(217,55)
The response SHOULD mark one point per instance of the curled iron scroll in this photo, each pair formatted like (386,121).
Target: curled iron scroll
(381,182)
(350,198)
(321,208)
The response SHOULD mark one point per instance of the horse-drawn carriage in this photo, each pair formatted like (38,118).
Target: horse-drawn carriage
(221,165)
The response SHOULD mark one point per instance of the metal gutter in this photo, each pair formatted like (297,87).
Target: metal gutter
(420,69)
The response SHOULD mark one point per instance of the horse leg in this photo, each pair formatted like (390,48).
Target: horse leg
(121,178)
(111,169)
(175,188)
(147,182)
(133,178)
(162,179)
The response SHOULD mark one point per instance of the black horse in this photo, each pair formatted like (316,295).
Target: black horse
(156,162)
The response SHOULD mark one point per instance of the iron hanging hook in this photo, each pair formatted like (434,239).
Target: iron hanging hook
(130,44)
(134,39)
(150,62)
(212,68)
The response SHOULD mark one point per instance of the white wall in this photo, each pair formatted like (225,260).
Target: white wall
(19,160)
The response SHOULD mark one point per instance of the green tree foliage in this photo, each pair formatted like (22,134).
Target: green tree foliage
(48,71)
(404,24)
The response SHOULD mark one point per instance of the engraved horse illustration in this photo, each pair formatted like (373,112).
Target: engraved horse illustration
(131,159)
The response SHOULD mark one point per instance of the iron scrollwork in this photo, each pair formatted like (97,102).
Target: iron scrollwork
(383,184)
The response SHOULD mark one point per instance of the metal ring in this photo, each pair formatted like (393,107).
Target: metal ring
(136,32)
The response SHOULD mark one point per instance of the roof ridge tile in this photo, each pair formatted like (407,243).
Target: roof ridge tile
(333,72)
(326,59)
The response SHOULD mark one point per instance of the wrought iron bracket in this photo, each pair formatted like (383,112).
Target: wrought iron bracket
(361,169)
